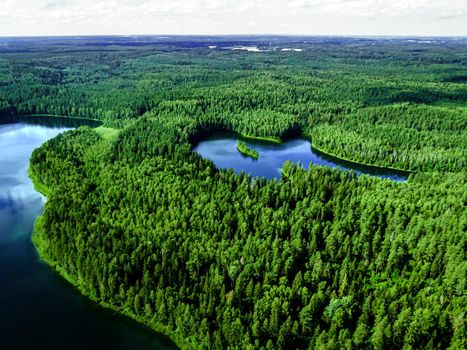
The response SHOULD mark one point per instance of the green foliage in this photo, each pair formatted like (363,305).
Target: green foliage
(107,133)
(243,148)
(413,137)
(319,259)
(400,105)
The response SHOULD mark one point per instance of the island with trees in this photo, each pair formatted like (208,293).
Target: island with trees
(320,258)
(243,148)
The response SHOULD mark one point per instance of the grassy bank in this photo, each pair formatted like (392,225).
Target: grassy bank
(38,185)
(327,153)
(271,139)
(107,133)
(307,136)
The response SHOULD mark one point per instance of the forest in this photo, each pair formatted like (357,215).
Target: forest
(320,259)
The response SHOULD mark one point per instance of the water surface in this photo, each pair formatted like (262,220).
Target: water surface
(221,149)
(38,309)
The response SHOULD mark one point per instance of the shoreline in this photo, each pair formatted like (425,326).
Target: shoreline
(40,244)
(271,139)
(381,167)
(35,115)
(306,136)
(58,116)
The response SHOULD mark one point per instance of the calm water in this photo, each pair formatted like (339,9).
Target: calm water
(39,310)
(222,150)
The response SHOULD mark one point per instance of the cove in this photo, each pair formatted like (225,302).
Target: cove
(221,148)
(38,309)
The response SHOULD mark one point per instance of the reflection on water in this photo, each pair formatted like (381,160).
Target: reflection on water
(18,199)
(38,310)
(221,149)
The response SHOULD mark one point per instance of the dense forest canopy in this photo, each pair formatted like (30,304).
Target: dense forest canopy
(321,258)
(382,102)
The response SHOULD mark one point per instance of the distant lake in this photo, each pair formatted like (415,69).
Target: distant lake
(38,309)
(222,150)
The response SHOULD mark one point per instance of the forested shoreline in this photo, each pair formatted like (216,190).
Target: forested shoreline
(346,97)
(319,259)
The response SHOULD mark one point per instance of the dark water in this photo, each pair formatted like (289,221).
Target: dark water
(222,150)
(38,309)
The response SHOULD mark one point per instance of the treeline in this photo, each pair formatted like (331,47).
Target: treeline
(321,259)
(372,105)
(411,137)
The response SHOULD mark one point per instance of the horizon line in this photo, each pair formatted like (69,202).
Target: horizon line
(235,35)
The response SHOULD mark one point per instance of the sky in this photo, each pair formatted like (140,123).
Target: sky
(304,17)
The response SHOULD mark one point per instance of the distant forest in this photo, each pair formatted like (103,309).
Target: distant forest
(322,258)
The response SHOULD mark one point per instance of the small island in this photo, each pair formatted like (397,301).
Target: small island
(243,148)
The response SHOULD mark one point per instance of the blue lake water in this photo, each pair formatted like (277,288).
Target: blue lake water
(38,309)
(222,150)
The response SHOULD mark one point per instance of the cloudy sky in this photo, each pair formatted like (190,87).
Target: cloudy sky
(325,17)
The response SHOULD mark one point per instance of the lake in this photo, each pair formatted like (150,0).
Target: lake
(222,150)
(38,309)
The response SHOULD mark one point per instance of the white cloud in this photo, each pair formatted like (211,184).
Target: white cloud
(370,17)
(378,7)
